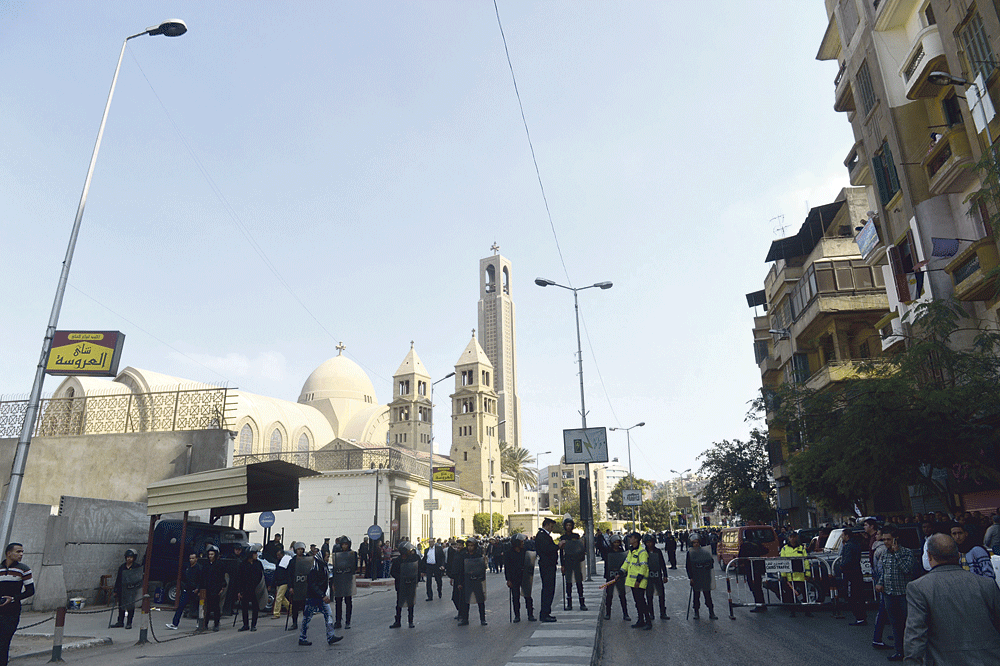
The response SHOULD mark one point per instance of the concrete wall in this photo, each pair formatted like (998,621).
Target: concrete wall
(114,467)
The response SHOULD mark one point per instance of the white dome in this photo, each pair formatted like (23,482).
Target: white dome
(338,378)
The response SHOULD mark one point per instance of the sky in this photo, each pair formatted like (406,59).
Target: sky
(290,175)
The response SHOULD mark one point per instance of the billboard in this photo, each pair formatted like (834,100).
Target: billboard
(585,445)
(632,497)
(85,353)
(683,501)
(444,473)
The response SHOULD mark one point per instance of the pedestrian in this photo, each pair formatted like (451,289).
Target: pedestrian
(191,587)
(519,570)
(548,559)
(850,563)
(128,588)
(454,568)
(895,571)
(343,585)
(573,553)
(613,563)
(670,547)
(636,571)
(249,578)
(214,580)
(657,576)
(434,564)
(16,585)
(325,549)
(473,581)
(406,571)
(971,557)
(952,614)
(316,598)
(363,550)
(699,565)
(282,579)
(274,550)
(386,559)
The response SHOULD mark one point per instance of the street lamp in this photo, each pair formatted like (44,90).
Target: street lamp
(588,535)
(946,79)
(430,465)
(171,28)
(628,440)
(679,474)
(499,423)
(538,485)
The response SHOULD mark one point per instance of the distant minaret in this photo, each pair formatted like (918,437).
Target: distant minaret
(498,339)
(410,409)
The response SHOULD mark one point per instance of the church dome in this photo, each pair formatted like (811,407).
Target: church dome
(338,378)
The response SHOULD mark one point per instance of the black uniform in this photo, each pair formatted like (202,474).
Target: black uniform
(214,577)
(342,583)
(655,581)
(473,583)
(519,569)
(670,546)
(548,559)
(612,564)
(128,589)
(572,551)
(454,571)
(405,570)
(249,576)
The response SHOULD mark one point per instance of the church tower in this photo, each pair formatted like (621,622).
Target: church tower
(497,337)
(475,442)
(410,409)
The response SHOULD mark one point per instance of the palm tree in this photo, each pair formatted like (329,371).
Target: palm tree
(516,463)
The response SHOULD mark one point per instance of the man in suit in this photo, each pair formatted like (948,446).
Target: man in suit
(434,564)
(953,615)
(548,560)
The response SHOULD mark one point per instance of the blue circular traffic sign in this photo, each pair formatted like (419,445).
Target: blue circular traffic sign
(266,519)
(374,533)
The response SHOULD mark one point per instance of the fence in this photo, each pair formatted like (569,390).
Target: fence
(769,581)
(161,411)
(386,458)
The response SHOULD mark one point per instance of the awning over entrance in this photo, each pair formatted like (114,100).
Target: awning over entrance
(264,486)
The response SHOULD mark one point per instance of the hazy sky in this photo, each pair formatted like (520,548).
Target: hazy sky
(361,157)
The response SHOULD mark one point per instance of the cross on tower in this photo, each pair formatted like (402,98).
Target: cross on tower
(495,248)
(340,348)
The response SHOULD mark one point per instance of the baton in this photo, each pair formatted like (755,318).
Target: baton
(113,607)
(510,598)
(690,597)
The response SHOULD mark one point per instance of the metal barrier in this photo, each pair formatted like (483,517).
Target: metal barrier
(866,576)
(776,590)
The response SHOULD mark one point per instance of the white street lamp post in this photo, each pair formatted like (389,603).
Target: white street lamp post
(631,478)
(430,464)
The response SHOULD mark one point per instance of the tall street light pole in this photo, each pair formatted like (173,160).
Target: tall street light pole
(171,28)
(500,423)
(430,464)
(589,527)
(681,474)
(631,478)
(538,485)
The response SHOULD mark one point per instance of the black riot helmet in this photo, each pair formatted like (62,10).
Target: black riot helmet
(131,553)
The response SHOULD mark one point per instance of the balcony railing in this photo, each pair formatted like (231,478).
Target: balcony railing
(926,56)
(343,460)
(946,163)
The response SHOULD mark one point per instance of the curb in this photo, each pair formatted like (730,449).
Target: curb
(598,653)
(78,645)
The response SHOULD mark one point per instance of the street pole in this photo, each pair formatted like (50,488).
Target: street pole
(430,465)
(538,486)
(171,28)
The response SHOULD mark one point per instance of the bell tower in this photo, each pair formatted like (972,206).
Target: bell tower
(475,441)
(410,410)
(498,339)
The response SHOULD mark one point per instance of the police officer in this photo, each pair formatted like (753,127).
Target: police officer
(232,568)
(345,564)
(249,576)
(573,552)
(657,576)
(406,570)
(635,570)
(670,547)
(548,559)
(612,565)
(473,580)
(128,587)
(299,568)
(214,577)
(519,569)
(454,568)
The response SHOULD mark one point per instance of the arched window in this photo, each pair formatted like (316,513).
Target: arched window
(302,457)
(276,441)
(506,280)
(246,440)
(491,280)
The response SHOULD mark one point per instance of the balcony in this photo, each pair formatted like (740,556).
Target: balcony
(891,14)
(844,96)
(971,268)
(835,371)
(858,166)
(947,163)
(926,56)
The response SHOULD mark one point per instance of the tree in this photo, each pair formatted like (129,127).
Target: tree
(481,523)
(655,514)
(751,505)
(570,502)
(934,406)
(616,509)
(517,462)
(736,465)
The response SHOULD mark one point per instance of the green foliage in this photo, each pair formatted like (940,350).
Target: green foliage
(935,405)
(518,463)
(735,466)
(615,507)
(603,525)
(655,514)
(570,502)
(751,505)
(481,523)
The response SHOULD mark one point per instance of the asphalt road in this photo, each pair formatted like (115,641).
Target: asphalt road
(435,640)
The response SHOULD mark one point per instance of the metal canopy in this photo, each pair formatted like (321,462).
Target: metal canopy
(264,486)
(808,235)
(756,298)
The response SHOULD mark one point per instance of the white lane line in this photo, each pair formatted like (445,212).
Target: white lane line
(563,633)
(566,651)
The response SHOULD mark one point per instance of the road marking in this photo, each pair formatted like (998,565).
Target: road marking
(563,633)
(564,651)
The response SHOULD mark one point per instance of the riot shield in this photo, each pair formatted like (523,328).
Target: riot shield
(528,577)
(345,563)
(409,572)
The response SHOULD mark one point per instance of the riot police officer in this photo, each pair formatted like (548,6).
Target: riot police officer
(215,580)
(473,580)
(572,552)
(519,569)
(342,585)
(406,570)
(657,576)
(612,564)
(128,588)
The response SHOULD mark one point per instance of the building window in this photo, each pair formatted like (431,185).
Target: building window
(467,378)
(978,54)
(404,387)
(864,81)
(885,173)
(952,112)
(760,350)
(506,489)
(486,378)
(465,458)
(929,15)
(246,440)
(302,457)
(422,388)
(276,441)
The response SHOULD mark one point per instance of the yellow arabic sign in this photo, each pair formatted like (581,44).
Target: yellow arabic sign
(444,473)
(85,353)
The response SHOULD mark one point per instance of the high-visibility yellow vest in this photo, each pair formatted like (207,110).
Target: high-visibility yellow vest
(799,551)
(636,564)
